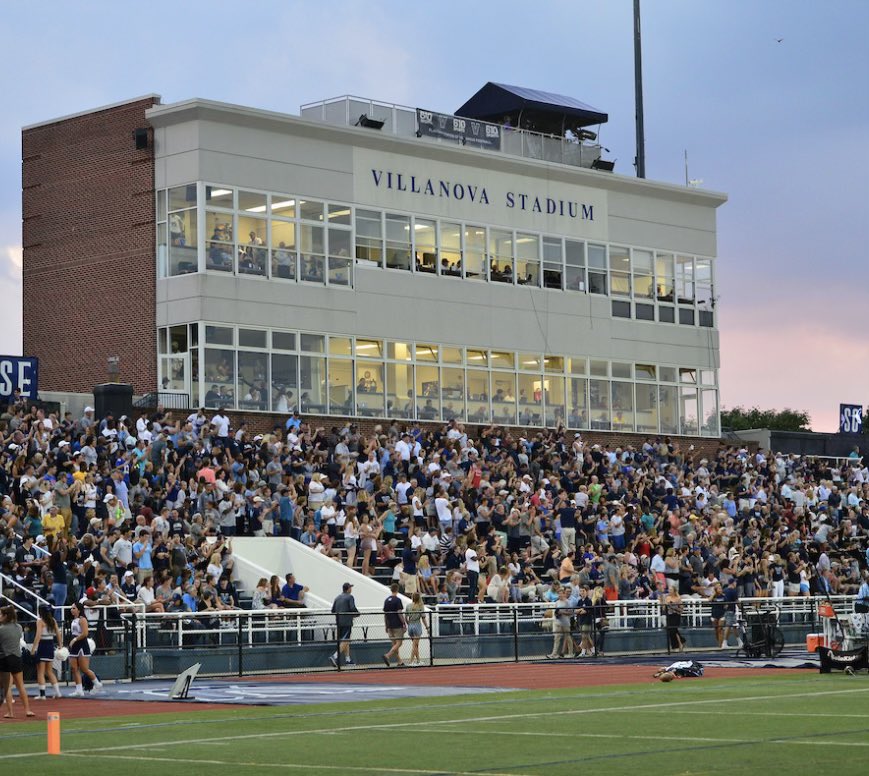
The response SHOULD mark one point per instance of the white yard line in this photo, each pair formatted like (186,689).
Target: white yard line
(471,720)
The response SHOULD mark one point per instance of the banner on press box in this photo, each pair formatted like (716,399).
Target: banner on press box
(21,372)
(850,419)
(460,130)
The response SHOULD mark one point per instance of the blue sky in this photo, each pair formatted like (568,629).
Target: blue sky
(782,128)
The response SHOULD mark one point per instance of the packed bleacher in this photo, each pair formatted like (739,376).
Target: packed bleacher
(109,511)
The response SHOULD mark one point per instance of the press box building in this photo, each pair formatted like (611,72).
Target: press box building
(369,260)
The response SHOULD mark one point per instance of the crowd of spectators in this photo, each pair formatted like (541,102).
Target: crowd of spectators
(108,511)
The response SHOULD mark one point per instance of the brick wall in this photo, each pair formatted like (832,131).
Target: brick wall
(89,271)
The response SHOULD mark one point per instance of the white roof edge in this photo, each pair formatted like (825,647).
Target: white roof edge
(90,110)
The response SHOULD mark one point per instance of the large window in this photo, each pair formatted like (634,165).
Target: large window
(527,259)
(501,254)
(397,241)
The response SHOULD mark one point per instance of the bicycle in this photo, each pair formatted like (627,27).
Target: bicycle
(758,633)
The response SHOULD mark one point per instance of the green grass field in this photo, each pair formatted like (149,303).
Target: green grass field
(796,725)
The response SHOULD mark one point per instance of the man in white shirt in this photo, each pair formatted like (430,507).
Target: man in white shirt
(472,571)
(442,505)
(220,422)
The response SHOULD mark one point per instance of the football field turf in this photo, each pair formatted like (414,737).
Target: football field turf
(797,725)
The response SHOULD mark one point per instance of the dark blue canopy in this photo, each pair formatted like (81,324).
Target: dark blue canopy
(542,111)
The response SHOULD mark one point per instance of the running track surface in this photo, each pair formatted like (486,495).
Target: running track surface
(519,676)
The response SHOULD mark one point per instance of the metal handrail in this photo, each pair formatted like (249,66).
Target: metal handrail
(26,590)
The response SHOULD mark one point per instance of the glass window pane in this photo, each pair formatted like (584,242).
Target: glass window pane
(620,259)
(451,355)
(428,391)
(369,236)
(340,346)
(370,388)
(553,364)
(644,312)
(219,377)
(503,392)
(283,250)
(667,374)
(577,366)
(400,351)
(219,196)
(251,338)
(397,241)
(599,368)
(425,241)
(501,255)
(686,316)
(162,250)
(621,370)
(669,408)
(527,259)
(503,359)
(312,245)
(339,242)
(665,277)
(312,384)
(577,402)
(647,408)
(399,384)
(312,343)
(340,387)
(685,280)
(645,371)
(710,413)
(218,335)
(452,394)
(529,362)
(162,341)
(183,256)
(283,206)
(161,205)
(621,309)
(172,373)
(252,253)
(182,197)
(311,210)
(553,398)
(285,383)
(477,394)
(426,352)
(451,249)
(220,248)
(688,375)
(282,340)
(475,253)
(666,314)
(339,214)
(530,400)
(253,380)
(688,411)
(707,377)
(369,348)
(623,406)
(251,202)
(477,357)
(599,404)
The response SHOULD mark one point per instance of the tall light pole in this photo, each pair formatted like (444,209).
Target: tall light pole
(638,93)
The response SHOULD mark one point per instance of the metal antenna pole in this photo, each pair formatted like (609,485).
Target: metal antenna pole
(638,93)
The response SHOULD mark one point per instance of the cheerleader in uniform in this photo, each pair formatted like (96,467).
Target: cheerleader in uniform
(80,652)
(46,640)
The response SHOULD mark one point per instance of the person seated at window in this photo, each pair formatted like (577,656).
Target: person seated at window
(367,384)
(219,257)
(499,396)
(285,260)
(428,411)
(212,396)
(246,263)
(312,269)
(446,268)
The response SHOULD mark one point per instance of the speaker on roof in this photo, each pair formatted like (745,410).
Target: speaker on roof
(140,136)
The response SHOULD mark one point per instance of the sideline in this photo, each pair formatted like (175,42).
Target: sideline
(453,720)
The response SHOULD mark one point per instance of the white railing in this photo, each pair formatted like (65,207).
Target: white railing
(298,626)
(7,582)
